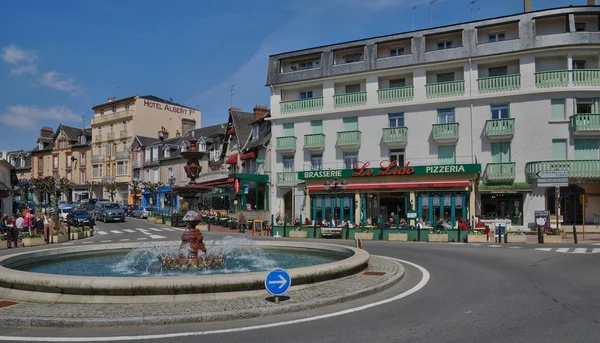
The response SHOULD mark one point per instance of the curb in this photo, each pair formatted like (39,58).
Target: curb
(203,317)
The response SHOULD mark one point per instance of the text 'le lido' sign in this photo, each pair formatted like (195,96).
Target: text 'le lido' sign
(166,107)
(390,168)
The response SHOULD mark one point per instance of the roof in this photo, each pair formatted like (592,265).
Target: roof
(147,97)
(145,141)
(115,101)
(241,122)
(208,133)
(264,135)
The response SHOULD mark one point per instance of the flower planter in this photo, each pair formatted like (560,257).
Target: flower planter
(552,239)
(477,238)
(298,234)
(59,238)
(3,245)
(517,238)
(32,242)
(168,223)
(364,236)
(437,237)
(202,227)
(88,233)
(398,237)
(77,235)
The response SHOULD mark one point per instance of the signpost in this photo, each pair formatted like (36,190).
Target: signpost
(277,282)
(556,179)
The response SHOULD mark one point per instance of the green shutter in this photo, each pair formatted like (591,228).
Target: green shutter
(559,149)
(501,152)
(586,149)
(447,154)
(496,155)
(288,129)
(351,124)
(317,126)
(558,109)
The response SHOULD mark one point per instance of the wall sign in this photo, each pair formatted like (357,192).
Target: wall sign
(165,107)
(390,168)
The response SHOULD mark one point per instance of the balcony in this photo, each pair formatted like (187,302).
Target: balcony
(348,140)
(395,137)
(118,116)
(586,77)
(288,179)
(98,138)
(350,99)
(314,142)
(119,155)
(301,105)
(286,144)
(549,79)
(136,164)
(110,135)
(580,171)
(585,124)
(108,178)
(503,173)
(445,89)
(390,95)
(499,83)
(500,129)
(123,133)
(97,158)
(445,133)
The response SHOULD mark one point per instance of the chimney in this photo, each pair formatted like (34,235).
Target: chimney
(46,131)
(111,99)
(526,5)
(592,2)
(260,112)
(163,134)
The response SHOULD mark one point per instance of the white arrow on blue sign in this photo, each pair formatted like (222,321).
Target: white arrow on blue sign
(553,174)
(278,281)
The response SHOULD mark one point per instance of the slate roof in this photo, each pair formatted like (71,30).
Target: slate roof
(72,133)
(241,122)
(264,134)
(147,97)
(18,154)
(145,141)
(208,133)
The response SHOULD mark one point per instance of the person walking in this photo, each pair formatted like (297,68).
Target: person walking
(39,224)
(4,229)
(46,229)
(13,232)
(242,222)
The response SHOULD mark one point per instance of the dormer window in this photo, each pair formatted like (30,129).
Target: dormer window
(114,109)
(166,151)
(254,132)
(40,145)
(155,153)
(22,162)
(183,147)
(148,155)
(62,144)
(201,145)
(82,140)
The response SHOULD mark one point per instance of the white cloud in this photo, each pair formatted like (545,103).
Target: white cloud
(23,61)
(54,80)
(27,117)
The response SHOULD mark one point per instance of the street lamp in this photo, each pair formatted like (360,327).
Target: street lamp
(336,187)
(171,184)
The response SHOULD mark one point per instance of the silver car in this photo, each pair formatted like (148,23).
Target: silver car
(108,211)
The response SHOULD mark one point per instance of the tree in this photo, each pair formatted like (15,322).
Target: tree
(44,185)
(91,187)
(113,187)
(153,187)
(135,185)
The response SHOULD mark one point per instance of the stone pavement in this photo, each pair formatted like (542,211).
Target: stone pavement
(380,274)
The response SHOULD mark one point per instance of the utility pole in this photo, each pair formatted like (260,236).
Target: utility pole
(473,9)
(431,2)
(231,93)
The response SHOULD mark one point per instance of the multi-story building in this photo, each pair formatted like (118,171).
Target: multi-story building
(65,152)
(8,179)
(21,161)
(118,121)
(449,122)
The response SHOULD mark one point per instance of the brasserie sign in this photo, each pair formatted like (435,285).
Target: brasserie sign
(390,168)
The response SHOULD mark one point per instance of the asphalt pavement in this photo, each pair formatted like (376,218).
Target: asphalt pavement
(474,293)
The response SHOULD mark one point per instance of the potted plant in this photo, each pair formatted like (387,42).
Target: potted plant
(397,236)
(364,234)
(58,236)
(554,237)
(516,237)
(298,232)
(476,236)
(3,242)
(438,236)
(88,232)
(32,240)
(77,233)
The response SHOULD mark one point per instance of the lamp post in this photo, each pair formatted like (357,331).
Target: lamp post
(336,189)
(172,181)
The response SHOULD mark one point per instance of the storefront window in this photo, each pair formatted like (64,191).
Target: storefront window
(502,206)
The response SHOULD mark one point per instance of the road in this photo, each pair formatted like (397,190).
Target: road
(476,293)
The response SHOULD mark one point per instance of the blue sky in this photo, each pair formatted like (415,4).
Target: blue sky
(59,58)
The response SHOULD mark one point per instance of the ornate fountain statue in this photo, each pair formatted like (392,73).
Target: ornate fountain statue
(192,243)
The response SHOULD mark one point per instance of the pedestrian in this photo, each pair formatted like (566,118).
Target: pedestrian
(4,226)
(46,229)
(242,222)
(13,232)
(39,224)
(27,222)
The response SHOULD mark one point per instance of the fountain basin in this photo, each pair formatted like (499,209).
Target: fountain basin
(28,286)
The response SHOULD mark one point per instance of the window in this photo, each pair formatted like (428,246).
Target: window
(316,161)
(68,157)
(250,166)
(108,150)
(127,108)
(496,36)
(114,109)
(62,144)
(156,176)
(155,153)
(288,163)
(202,145)
(445,77)
(99,131)
(303,65)
(586,149)
(446,116)
(22,162)
(398,156)
(578,64)
(82,176)
(183,174)
(356,57)
(147,177)
(166,151)
(498,71)
(183,147)
(396,51)
(40,145)
(101,168)
(40,163)
(500,111)
(397,83)
(288,130)
(101,112)
(147,155)
(501,152)
(579,27)
(82,140)
(306,95)
(396,119)
(350,159)
(254,132)
(447,154)
(95,170)
(123,168)
(351,124)
(170,173)
(558,109)
(124,126)
(55,162)
(444,45)
(559,149)
(584,106)
(112,129)
(69,176)
(316,126)
(353,88)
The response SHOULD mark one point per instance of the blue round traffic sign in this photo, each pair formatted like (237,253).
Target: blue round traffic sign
(278,281)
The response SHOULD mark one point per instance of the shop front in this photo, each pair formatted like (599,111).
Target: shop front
(167,199)
(365,194)
(504,202)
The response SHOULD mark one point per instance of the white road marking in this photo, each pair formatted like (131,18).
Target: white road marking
(142,239)
(580,250)
(102,233)
(595,250)
(129,230)
(109,240)
(66,243)
(124,240)
(87,242)
(595,243)
(157,236)
(515,247)
(155,229)
(167,229)
(142,230)
(476,244)
(562,249)
(416,288)
(181,229)
(115,231)
(495,246)
(543,249)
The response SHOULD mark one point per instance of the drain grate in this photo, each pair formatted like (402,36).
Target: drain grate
(374,273)
(5,303)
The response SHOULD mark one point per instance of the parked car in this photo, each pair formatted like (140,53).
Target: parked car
(79,218)
(143,212)
(63,212)
(108,211)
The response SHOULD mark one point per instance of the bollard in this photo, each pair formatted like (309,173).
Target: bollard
(68,231)
(505,237)
(315,229)
(458,234)
(539,233)
(574,234)
(347,227)
(381,231)
(209,226)
(284,227)
(418,233)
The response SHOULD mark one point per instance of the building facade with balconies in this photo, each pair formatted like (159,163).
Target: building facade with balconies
(118,121)
(449,122)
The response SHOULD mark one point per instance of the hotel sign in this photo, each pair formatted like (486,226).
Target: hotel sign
(390,168)
(166,107)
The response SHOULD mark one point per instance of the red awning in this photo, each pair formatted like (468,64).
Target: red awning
(397,185)
(231,131)
(233,159)
(216,183)
(248,156)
